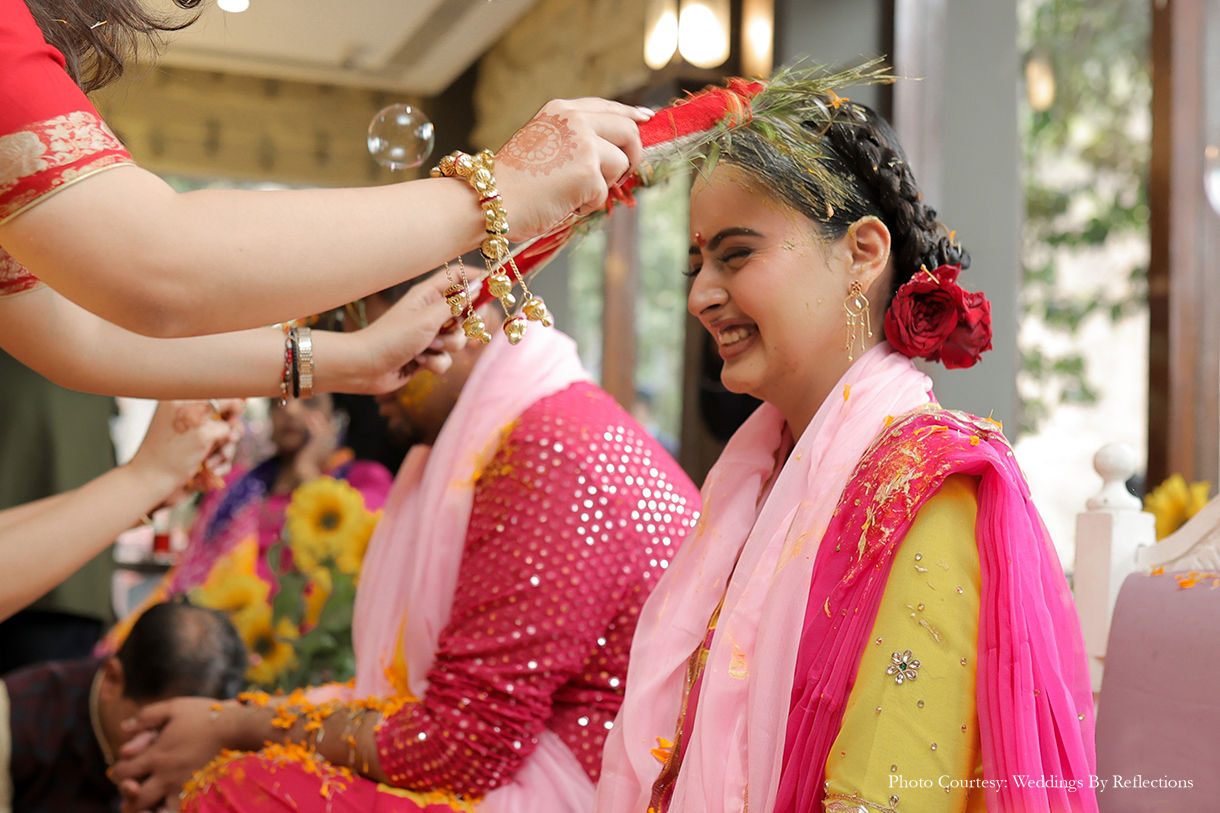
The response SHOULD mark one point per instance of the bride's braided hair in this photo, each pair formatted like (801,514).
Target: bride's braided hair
(861,149)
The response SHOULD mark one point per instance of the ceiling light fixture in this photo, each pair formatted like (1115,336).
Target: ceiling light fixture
(1040,81)
(703,32)
(1211,174)
(233,6)
(758,51)
(660,32)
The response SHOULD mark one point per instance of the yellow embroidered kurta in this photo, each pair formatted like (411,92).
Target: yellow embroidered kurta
(914,746)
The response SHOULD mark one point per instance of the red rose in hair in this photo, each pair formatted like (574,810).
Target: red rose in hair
(931,317)
(972,335)
(924,312)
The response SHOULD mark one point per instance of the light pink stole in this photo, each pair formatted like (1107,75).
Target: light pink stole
(411,568)
(767,558)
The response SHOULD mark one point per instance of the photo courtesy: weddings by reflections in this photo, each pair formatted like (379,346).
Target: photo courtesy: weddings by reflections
(1095,783)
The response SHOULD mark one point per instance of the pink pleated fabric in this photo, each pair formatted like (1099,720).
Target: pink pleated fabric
(411,567)
(766,557)
(1035,706)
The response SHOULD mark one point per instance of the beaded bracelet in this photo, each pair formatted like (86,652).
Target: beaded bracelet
(477,171)
(286,376)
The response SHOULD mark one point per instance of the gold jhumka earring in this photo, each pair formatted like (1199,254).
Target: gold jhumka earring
(859,323)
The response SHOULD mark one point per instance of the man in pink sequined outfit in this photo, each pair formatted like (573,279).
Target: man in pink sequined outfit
(574,514)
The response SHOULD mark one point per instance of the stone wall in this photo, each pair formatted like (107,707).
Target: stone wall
(216,125)
(559,49)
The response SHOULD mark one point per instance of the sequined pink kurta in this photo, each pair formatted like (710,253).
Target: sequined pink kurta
(574,519)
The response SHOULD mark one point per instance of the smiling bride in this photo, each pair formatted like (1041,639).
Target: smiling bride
(870,615)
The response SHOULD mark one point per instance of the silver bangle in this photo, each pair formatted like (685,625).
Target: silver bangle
(305,365)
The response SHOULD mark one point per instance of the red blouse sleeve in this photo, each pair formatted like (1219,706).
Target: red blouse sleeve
(556,556)
(50,134)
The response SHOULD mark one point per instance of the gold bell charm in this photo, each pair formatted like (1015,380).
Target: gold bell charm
(476,329)
(494,247)
(455,295)
(514,328)
(481,180)
(536,310)
(501,288)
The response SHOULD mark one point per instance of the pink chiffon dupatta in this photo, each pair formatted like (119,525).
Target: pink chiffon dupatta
(1035,706)
(766,558)
(411,568)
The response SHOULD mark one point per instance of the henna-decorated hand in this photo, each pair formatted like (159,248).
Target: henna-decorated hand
(565,160)
(188,444)
(417,332)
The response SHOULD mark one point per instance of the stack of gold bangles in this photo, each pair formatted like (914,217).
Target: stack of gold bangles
(477,170)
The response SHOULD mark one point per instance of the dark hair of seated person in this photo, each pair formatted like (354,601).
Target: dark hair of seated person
(176,649)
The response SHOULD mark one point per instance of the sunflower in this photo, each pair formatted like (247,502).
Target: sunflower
(233,584)
(351,557)
(1173,502)
(271,654)
(323,515)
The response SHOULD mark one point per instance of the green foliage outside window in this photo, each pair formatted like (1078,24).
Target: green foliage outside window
(1085,178)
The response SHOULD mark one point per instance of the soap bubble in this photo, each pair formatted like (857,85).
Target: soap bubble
(1211,174)
(401,137)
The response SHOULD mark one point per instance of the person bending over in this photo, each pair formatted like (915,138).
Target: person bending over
(62,721)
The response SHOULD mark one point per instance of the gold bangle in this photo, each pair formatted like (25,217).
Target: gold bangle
(478,172)
(305,363)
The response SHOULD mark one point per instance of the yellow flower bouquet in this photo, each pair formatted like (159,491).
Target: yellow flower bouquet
(303,635)
(317,564)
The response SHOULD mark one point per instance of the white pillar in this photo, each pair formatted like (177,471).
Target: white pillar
(1108,535)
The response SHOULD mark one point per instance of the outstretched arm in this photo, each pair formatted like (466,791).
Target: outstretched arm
(126,246)
(81,351)
(46,541)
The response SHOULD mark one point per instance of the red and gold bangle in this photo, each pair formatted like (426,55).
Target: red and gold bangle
(286,376)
